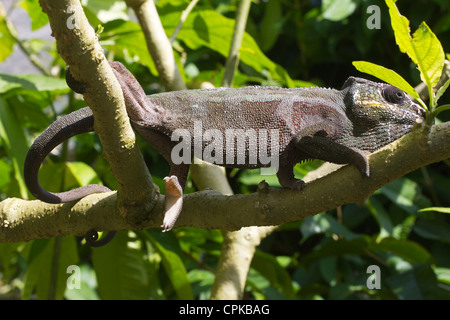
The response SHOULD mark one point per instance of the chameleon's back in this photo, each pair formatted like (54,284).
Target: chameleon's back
(243,108)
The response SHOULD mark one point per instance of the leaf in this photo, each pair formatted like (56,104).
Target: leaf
(14,142)
(208,28)
(268,267)
(324,223)
(253,177)
(328,269)
(40,267)
(406,249)
(88,285)
(7,40)
(423,48)
(441,108)
(271,24)
(202,281)
(175,270)
(337,10)
(437,209)
(386,75)
(356,246)
(33,82)
(79,174)
(430,55)
(126,39)
(402,192)
(107,10)
(432,229)
(443,275)
(417,283)
(120,269)
(382,217)
(37,16)
(441,90)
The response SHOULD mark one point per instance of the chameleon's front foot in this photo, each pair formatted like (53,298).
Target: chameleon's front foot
(174,202)
(73,84)
(298,185)
(286,178)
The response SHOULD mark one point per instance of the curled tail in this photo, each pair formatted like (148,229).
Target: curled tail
(77,122)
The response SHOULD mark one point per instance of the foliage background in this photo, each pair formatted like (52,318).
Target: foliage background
(288,43)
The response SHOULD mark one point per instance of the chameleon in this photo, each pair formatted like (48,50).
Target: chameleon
(338,126)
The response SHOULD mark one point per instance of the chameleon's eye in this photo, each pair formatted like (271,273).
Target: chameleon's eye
(393,95)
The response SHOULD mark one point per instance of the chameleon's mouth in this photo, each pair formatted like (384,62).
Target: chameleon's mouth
(418,110)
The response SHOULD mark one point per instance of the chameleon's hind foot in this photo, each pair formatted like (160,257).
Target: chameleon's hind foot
(174,202)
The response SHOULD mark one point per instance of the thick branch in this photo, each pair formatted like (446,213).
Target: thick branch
(78,46)
(22,220)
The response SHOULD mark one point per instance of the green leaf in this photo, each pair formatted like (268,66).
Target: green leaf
(382,217)
(253,177)
(13,139)
(271,24)
(107,10)
(7,40)
(268,267)
(126,39)
(40,268)
(441,108)
(79,174)
(33,82)
(443,275)
(386,75)
(88,285)
(417,283)
(36,256)
(121,270)
(406,249)
(432,229)
(5,175)
(337,10)
(328,269)
(175,270)
(441,90)
(402,192)
(207,28)
(437,209)
(37,16)
(324,223)
(423,48)
(202,281)
(356,246)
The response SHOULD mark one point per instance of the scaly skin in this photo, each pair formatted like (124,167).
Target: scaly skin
(339,126)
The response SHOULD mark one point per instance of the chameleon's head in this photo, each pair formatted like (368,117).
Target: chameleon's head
(379,109)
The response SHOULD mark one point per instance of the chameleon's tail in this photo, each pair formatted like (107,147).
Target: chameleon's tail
(77,122)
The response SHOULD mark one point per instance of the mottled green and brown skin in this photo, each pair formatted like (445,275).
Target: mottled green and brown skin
(339,126)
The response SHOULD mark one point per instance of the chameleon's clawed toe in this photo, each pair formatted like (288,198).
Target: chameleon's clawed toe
(298,185)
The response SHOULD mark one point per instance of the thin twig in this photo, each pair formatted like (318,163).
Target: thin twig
(238,34)
(183,18)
